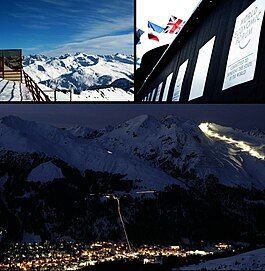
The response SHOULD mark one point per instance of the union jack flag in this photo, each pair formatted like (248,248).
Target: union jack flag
(174,25)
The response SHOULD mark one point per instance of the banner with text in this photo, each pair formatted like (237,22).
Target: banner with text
(243,52)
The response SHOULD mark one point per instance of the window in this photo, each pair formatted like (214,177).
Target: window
(201,70)
(179,81)
(168,82)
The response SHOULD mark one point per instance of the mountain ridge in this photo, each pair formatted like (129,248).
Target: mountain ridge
(53,179)
(80,71)
(178,148)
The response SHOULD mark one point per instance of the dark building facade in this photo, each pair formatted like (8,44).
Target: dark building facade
(218,57)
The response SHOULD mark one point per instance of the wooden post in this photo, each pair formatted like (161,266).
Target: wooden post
(21,67)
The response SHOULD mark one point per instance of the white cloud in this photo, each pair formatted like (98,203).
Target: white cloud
(60,3)
(107,26)
(103,45)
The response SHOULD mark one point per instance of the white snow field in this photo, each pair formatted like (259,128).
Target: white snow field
(101,95)
(27,137)
(253,260)
(45,172)
(183,143)
(11,91)
(90,77)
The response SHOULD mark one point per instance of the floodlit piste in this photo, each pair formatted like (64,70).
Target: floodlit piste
(209,129)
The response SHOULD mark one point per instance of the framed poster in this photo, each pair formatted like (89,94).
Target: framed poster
(201,70)
(165,94)
(242,58)
(179,81)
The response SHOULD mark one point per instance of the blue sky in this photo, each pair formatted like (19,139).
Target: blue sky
(55,27)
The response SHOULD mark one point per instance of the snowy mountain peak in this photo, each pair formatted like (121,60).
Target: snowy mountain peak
(140,124)
(165,149)
(175,120)
(81,72)
(80,131)
(142,119)
(64,56)
(10,119)
(20,124)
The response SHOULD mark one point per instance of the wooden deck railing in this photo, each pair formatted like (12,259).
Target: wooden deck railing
(55,91)
(37,93)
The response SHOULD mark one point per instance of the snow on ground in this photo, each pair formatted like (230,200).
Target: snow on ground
(82,70)
(11,91)
(253,260)
(100,95)
(181,143)
(141,147)
(27,136)
(81,73)
(15,92)
(45,172)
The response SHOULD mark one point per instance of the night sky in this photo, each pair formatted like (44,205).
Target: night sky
(99,115)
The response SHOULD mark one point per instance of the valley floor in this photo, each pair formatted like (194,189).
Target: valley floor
(116,256)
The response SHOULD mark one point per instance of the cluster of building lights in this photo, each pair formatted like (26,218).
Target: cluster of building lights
(74,256)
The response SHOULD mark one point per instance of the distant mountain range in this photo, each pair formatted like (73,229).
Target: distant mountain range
(82,72)
(206,175)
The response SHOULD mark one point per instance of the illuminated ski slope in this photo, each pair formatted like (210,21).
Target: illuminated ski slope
(208,129)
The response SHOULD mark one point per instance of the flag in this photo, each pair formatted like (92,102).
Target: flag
(174,25)
(138,34)
(153,31)
(155,27)
(153,37)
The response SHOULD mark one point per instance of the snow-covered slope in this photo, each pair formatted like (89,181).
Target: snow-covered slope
(183,149)
(159,151)
(172,156)
(253,260)
(92,77)
(27,137)
(101,95)
(45,172)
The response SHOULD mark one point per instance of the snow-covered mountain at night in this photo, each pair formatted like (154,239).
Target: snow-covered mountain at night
(163,150)
(205,181)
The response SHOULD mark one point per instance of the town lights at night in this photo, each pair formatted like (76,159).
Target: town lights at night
(75,256)
(208,130)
